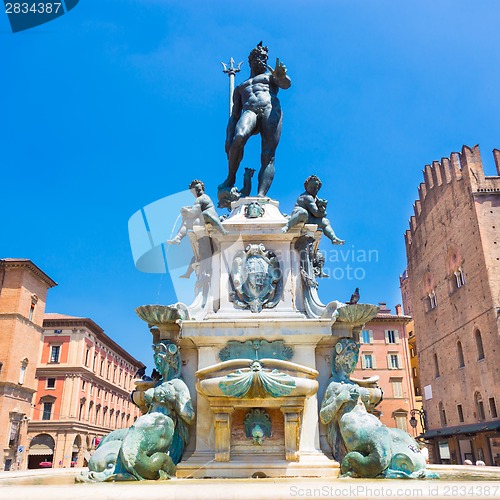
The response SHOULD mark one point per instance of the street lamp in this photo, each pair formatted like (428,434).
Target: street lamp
(422,417)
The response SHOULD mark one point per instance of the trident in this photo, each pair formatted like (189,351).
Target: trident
(231,71)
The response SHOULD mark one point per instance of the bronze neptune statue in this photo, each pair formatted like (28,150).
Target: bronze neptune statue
(256,110)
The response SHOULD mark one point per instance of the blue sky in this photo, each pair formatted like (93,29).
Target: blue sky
(120,103)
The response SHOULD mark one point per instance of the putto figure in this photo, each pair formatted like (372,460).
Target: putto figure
(256,109)
(309,209)
(203,210)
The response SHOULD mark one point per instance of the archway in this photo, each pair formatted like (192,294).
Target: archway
(41,452)
(75,451)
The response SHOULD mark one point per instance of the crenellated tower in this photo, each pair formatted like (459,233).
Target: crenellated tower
(453,256)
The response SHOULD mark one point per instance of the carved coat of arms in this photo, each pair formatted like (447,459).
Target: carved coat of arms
(256,279)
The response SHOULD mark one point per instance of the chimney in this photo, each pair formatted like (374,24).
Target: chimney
(399,310)
(383,308)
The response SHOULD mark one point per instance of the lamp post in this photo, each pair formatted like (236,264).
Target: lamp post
(422,417)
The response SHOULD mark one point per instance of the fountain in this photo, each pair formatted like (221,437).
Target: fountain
(240,369)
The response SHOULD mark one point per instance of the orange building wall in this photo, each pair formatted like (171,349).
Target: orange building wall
(63,341)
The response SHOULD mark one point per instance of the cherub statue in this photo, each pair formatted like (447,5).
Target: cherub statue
(202,210)
(309,209)
(362,444)
(153,445)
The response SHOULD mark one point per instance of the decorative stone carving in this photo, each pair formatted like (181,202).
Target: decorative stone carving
(254,210)
(256,382)
(308,252)
(257,425)
(256,279)
(256,348)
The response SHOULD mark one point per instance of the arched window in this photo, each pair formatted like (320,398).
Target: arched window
(436,366)
(460,354)
(442,414)
(479,344)
(478,400)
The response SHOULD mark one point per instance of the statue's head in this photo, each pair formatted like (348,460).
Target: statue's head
(197,187)
(167,359)
(258,59)
(313,184)
(345,356)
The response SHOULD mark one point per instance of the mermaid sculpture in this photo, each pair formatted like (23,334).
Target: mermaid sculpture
(362,444)
(153,445)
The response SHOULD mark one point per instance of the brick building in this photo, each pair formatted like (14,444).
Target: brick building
(23,293)
(453,253)
(84,381)
(419,414)
(384,352)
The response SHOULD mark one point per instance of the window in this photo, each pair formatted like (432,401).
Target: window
(114,374)
(367,361)
(393,361)
(460,413)
(54,353)
(432,300)
(98,393)
(493,407)
(436,366)
(442,414)
(479,345)
(32,311)
(101,372)
(391,337)
(87,353)
(83,385)
(401,420)
(460,354)
(367,337)
(15,428)
(51,383)
(47,410)
(460,277)
(109,369)
(22,371)
(82,406)
(478,400)
(397,387)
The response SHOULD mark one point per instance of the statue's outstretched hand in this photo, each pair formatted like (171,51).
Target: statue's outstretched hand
(279,72)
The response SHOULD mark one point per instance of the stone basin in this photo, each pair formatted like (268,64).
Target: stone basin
(156,315)
(213,379)
(357,314)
